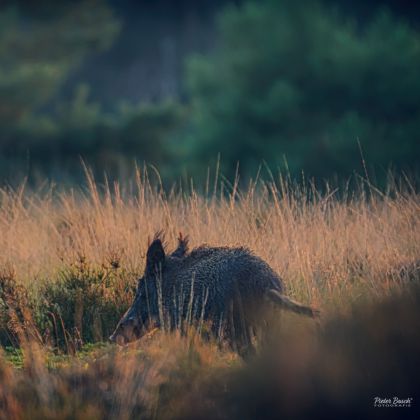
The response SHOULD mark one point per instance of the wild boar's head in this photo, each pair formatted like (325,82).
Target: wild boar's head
(143,314)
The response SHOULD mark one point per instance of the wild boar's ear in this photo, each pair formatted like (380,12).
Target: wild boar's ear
(155,256)
(182,248)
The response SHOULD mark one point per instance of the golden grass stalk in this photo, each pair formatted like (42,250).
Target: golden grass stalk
(327,249)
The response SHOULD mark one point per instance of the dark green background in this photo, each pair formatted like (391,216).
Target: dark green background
(298,86)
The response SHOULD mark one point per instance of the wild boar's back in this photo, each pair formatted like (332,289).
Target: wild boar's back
(223,272)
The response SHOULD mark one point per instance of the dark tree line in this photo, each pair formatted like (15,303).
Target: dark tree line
(308,83)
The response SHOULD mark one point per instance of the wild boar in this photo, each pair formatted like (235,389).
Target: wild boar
(221,286)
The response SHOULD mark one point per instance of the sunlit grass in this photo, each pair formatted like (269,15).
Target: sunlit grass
(324,247)
(70,260)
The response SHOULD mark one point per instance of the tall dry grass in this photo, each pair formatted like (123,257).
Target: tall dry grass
(334,249)
(337,371)
(329,247)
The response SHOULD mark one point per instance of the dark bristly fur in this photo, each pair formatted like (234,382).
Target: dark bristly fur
(223,286)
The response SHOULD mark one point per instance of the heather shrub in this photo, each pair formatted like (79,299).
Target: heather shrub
(85,302)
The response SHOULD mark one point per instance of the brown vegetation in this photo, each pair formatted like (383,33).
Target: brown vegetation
(69,265)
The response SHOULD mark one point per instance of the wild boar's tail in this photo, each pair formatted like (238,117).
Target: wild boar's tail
(291,305)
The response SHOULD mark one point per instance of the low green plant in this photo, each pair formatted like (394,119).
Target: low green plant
(85,303)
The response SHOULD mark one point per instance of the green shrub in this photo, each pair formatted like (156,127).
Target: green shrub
(82,306)
(86,303)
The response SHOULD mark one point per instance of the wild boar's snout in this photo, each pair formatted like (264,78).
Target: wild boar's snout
(127,330)
(117,339)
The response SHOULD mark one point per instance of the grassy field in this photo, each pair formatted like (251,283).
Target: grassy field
(69,263)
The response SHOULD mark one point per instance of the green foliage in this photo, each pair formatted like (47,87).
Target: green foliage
(52,144)
(45,135)
(37,55)
(291,82)
(82,306)
(295,79)
(14,355)
(86,304)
